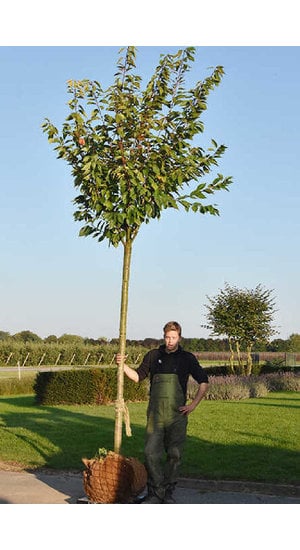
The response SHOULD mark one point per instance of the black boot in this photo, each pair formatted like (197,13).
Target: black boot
(155,496)
(169,497)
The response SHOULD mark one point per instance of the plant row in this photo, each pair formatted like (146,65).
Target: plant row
(12,354)
(235,388)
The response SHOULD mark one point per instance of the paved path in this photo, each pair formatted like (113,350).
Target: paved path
(51,487)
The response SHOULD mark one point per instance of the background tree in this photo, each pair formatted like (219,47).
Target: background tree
(4,335)
(277,345)
(27,336)
(293,343)
(70,339)
(51,339)
(133,154)
(244,316)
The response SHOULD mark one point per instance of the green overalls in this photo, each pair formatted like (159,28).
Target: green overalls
(165,432)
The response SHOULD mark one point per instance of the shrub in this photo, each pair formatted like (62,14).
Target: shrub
(274,365)
(257,387)
(221,370)
(238,387)
(222,387)
(85,386)
(282,381)
(227,387)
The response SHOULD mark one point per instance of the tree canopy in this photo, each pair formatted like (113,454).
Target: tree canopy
(244,316)
(294,342)
(131,150)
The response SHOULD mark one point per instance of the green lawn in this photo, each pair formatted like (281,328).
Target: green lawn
(253,439)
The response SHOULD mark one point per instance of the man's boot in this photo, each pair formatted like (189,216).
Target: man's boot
(169,495)
(155,496)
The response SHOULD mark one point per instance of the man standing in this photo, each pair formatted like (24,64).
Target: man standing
(169,368)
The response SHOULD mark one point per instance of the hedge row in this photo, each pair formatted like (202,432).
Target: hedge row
(99,386)
(85,386)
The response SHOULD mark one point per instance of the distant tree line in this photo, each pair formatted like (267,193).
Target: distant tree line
(291,344)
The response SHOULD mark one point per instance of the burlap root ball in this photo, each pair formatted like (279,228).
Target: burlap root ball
(113,479)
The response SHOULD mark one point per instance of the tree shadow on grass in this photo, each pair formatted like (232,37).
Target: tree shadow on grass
(241,462)
(58,438)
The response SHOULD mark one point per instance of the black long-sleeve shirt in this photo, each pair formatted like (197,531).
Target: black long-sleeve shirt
(180,362)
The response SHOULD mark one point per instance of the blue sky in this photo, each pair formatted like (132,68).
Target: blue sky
(53,282)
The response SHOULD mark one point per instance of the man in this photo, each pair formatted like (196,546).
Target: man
(169,368)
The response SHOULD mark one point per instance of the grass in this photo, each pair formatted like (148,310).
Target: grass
(253,439)
(13,375)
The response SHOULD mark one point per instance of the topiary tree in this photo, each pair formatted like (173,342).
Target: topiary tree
(132,154)
(244,316)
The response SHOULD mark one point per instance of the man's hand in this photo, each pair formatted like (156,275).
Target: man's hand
(187,409)
(131,373)
(119,358)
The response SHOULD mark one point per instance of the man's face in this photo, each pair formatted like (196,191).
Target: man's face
(172,340)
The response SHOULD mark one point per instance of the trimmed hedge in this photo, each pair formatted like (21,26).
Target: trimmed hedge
(85,386)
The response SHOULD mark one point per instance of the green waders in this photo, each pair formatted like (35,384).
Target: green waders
(166,432)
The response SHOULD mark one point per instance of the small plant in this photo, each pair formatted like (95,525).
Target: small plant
(101,453)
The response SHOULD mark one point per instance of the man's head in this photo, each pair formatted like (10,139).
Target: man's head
(172,335)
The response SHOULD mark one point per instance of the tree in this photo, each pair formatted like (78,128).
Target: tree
(4,335)
(70,339)
(277,345)
(132,154)
(293,343)
(244,316)
(27,336)
(51,339)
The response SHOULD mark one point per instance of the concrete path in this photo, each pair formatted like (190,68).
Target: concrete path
(52,487)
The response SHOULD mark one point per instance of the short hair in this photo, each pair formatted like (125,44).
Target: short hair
(172,325)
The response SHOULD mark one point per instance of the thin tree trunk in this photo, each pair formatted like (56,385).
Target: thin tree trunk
(240,362)
(249,361)
(231,360)
(122,344)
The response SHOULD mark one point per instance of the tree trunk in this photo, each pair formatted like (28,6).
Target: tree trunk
(122,344)
(249,361)
(240,362)
(231,360)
